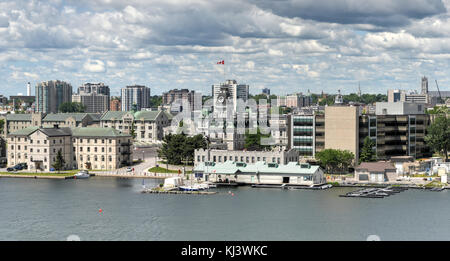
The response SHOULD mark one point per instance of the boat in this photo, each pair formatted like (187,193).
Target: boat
(82,175)
(189,188)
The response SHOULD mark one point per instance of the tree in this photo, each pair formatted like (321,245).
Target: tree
(367,152)
(335,160)
(133,130)
(71,107)
(438,137)
(59,162)
(155,101)
(179,148)
(253,141)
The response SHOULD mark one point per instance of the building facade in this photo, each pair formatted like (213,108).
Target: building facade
(94,96)
(81,148)
(342,128)
(15,122)
(177,99)
(51,94)
(293,173)
(228,92)
(115,105)
(148,126)
(135,97)
(278,155)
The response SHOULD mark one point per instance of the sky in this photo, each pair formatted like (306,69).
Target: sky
(285,45)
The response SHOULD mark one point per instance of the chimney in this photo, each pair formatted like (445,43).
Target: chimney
(28,89)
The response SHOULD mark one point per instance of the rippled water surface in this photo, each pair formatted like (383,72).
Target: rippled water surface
(55,209)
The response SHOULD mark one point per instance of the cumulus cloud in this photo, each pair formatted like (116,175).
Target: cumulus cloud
(176,44)
(94,66)
(378,12)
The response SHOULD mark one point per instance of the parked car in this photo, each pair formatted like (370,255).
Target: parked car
(18,167)
(10,169)
(23,165)
(129,169)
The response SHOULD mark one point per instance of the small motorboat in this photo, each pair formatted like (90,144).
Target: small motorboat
(81,175)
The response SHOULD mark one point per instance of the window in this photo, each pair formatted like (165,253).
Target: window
(45,142)
(45,150)
(109,149)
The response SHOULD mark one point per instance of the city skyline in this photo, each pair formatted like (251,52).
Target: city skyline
(326,46)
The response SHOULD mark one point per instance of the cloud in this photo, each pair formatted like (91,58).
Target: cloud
(94,66)
(377,12)
(327,44)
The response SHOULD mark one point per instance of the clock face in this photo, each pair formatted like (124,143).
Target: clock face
(221,99)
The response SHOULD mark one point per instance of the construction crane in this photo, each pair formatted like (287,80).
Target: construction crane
(440,97)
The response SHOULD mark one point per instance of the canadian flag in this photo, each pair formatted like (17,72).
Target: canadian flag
(221,62)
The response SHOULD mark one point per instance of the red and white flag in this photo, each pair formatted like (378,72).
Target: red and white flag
(221,62)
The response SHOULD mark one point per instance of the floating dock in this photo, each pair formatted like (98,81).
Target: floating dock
(152,191)
(374,192)
(291,187)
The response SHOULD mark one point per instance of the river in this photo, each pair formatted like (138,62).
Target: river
(44,209)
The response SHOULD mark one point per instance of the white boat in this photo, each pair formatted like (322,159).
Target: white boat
(189,188)
(82,175)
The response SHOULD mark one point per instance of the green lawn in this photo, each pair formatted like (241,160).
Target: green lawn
(65,174)
(164,170)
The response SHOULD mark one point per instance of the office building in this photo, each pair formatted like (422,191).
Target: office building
(342,129)
(135,98)
(51,94)
(398,129)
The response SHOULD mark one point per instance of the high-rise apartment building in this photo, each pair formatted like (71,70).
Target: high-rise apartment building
(51,94)
(94,96)
(179,98)
(227,92)
(135,97)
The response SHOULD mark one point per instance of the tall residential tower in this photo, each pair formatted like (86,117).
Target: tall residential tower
(51,94)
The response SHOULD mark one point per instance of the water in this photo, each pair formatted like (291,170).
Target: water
(56,209)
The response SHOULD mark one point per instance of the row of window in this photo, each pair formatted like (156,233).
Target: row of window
(248,159)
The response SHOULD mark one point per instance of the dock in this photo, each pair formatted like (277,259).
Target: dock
(291,187)
(152,191)
(374,192)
